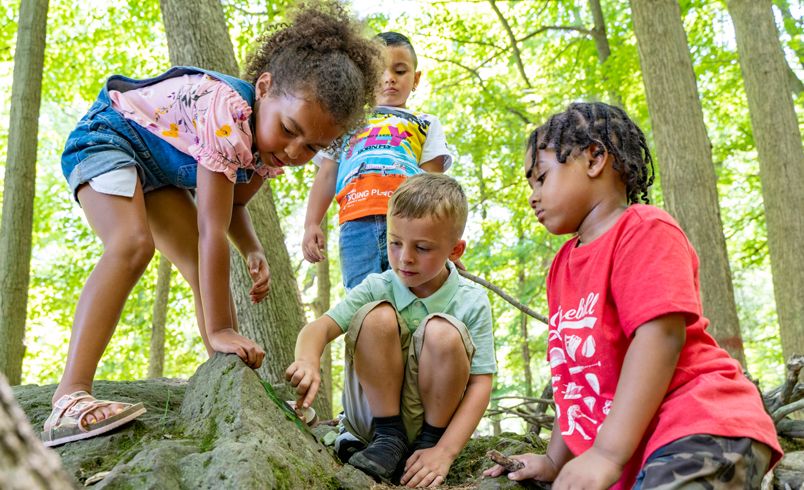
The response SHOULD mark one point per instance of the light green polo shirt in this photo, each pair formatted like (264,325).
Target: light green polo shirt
(458,297)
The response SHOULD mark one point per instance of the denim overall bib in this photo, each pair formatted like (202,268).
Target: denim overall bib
(104,140)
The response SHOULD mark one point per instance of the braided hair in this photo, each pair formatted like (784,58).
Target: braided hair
(609,127)
(322,53)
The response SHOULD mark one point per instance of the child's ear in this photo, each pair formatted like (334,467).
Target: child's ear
(416,77)
(263,85)
(598,159)
(457,250)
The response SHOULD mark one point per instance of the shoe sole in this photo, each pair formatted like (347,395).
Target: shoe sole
(369,467)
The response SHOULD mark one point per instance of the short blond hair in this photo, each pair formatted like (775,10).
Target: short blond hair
(431,195)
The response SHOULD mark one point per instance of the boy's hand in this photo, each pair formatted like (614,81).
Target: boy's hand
(306,378)
(314,244)
(260,276)
(592,470)
(231,342)
(426,468)
(537,467)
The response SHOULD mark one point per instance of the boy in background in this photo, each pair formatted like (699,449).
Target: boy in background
(362,174)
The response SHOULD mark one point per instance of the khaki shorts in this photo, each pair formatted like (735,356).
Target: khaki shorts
(357,414)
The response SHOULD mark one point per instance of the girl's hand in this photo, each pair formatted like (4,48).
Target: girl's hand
(592,470)
(426,468)
(537,467)
(230,342)
(306,378)
(314,244)
(260,276)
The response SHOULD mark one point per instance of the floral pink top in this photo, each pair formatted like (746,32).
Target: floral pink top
(200,116)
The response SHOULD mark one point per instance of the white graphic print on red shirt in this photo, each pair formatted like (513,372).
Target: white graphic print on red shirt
(576,369)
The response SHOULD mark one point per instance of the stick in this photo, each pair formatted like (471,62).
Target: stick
(503,295)
(507,463)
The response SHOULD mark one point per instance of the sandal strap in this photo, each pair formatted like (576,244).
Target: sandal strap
(63,404)
(75,406)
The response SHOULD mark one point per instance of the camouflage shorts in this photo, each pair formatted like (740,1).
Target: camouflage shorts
(705,462)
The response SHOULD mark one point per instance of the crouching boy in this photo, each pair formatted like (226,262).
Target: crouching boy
(419,346)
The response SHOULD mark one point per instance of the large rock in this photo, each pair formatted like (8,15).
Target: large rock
(222,429)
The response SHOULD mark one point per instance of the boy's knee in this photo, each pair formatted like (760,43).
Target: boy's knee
(441,336)
(381,319)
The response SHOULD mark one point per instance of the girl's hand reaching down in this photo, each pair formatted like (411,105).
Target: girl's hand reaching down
(231,342)
(260,276)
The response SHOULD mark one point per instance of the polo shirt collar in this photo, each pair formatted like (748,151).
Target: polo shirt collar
(437,301)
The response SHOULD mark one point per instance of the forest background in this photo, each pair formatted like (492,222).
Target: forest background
(493,70)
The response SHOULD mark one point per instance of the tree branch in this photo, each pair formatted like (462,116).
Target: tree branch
(503,295)
(512,39)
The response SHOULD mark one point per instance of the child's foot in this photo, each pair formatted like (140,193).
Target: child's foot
(346,445)
(382,457)
(74,417)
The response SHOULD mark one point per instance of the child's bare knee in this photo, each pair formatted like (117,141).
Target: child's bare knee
(382,319)
(441,335)
(133,249)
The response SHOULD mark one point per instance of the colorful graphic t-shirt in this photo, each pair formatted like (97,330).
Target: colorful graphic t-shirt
(599,294)
(375,160)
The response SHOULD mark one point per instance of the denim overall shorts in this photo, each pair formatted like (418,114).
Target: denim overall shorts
(104,140)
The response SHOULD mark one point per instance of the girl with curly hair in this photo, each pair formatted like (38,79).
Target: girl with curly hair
(170,162)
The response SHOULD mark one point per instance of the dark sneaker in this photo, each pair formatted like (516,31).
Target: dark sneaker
(348,448)
(381,458)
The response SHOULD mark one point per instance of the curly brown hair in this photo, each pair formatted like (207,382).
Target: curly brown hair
(322,53)
(609,127)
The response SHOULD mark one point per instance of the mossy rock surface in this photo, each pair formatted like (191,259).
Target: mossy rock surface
(220,429)
(224,429)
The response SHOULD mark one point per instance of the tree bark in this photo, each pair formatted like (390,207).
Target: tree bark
(602,46)
(197,35)
(19,188)
(685,157)
(156,359)
(25,464)
(781,159)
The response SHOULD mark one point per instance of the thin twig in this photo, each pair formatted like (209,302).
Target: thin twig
(503,295)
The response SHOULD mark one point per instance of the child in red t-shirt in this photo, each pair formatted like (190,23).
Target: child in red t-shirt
(627,339)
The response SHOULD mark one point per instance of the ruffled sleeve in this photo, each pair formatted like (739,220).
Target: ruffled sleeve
(223,135)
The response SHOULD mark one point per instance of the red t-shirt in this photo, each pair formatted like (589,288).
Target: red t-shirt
(599,294)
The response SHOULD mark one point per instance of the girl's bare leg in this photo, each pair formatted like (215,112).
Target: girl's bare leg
(122,227)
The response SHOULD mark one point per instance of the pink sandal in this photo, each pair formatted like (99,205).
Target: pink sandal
(65,423)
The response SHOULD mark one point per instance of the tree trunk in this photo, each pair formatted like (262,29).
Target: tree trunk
(321,306)
(685,157)
(781,159)
(25,464)
(602,45)
(275,322)
(19,187)
(156,359)
(197,35)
